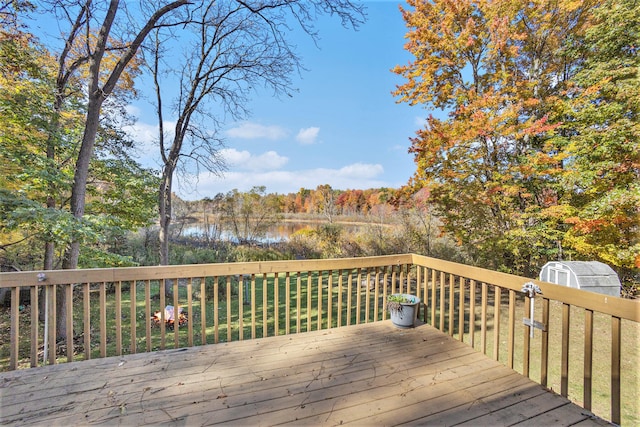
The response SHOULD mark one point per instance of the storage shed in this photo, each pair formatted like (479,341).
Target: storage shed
(591,276)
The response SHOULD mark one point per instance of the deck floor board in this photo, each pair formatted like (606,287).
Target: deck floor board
(368,374)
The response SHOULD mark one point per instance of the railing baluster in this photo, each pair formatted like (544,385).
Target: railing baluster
(393,281)
(496,320)
(385,279)
(434,303)
(472,313)
(340,290)
(442,300)
(132,316)
(253,306)
(298,302)
(103,319)
(461,310)
(15,325)
(512,328)
(240,307)
(69,321)
(367,293)
(451,305)
(52,347)
(35,327)
(216,314)
(358,296)
(176,310)
(329,299)
(588,358)
(265,310)
(86,299)
(287,327)
(404,279)
(418,279)
(483,324)
(190,311)
(203,311)
(228,303)
(616,341)
(162,284)
(118,316)
(309,298)
(564,370)
(526,340)
(376,295)
(544,344)
(319,304)
(147,312)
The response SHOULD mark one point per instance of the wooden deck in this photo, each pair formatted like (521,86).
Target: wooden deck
(372,374)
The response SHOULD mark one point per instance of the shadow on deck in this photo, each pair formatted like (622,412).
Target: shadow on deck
(370,374)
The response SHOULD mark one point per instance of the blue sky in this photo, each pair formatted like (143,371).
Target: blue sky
(342,127)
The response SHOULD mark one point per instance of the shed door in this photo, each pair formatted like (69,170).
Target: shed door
(559,276)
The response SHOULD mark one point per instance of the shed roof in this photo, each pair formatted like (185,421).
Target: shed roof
(591,273)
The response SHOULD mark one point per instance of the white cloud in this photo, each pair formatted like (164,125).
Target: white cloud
(249,130)
(244,160)
(145,137)
(360,171)
(355,176)
(143,133)
(133,110)
(308,136)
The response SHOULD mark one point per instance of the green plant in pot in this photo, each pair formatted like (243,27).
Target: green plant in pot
(403,309)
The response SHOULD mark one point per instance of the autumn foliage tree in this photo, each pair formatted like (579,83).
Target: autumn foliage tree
(494,167)
(601,136)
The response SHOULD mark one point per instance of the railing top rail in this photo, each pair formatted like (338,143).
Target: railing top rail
(620,307)
(97,275)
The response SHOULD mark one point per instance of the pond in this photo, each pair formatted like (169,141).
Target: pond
(275,233)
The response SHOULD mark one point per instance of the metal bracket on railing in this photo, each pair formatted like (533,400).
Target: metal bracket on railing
(531,289)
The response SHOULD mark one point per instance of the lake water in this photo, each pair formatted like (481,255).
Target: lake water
(276,233)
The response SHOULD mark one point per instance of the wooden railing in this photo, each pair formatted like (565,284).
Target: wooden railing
(110,313)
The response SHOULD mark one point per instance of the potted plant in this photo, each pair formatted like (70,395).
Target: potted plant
(403,309)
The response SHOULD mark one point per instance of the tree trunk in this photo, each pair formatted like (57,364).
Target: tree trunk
(97,95)
(78,193)
(164,209)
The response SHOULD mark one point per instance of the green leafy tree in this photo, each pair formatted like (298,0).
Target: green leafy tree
(34,179)
(249,215)
(602,139)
